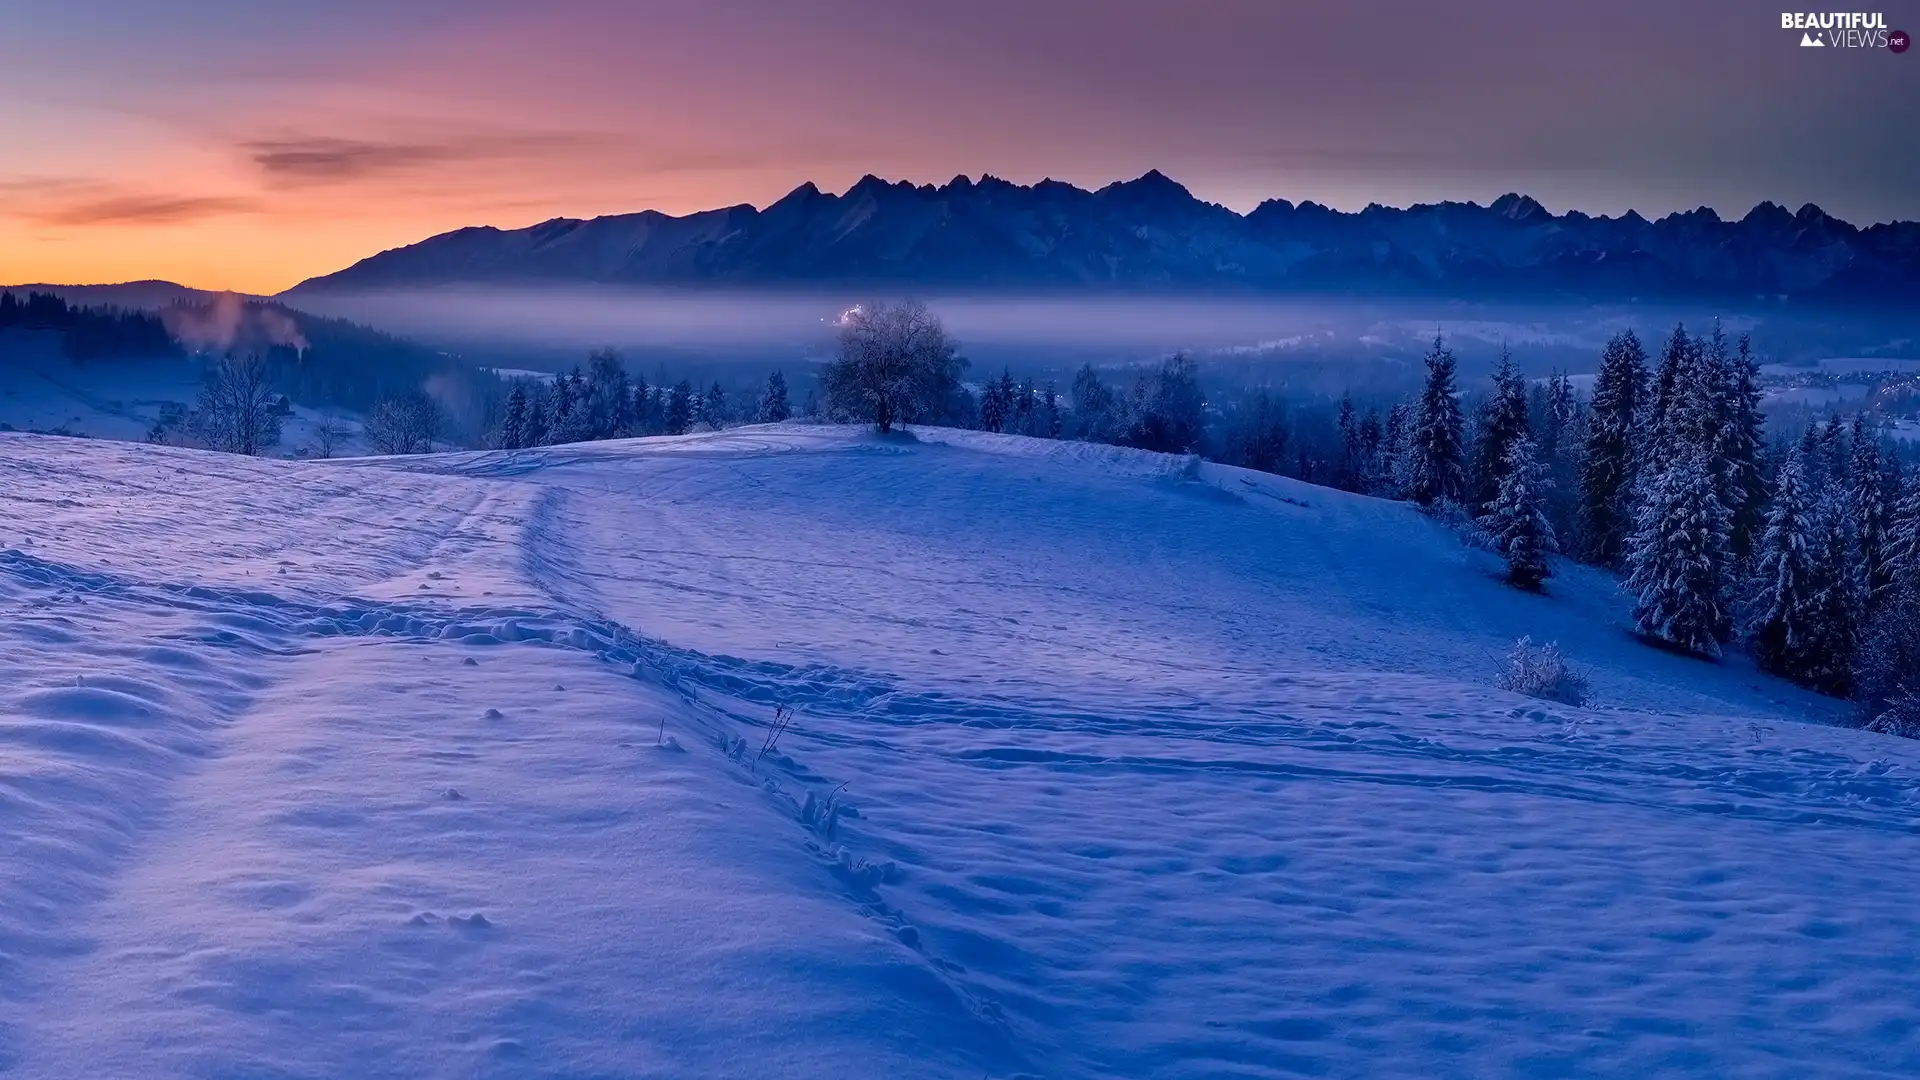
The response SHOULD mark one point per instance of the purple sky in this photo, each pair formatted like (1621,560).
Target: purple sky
(249,145)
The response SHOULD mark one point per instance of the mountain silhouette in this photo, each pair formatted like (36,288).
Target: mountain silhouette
(1152,234)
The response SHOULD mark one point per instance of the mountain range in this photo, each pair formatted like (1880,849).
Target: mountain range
(1152,234)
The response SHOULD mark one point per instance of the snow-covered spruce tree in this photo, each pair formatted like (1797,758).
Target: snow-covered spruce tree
(1503,422)
(679,411)
(1025,407)
(513,424)
(1093,406)
(1256,433)
(1782,634)
(1677,559)
(1903,537)
(1009,393)
(605,397)
(1166,407)
(1396,454)
(1516,520)
(995,409)
(1886,669)
(1744,444)
(1050,412)
(1831,441)
(643,408)
(1837,601)
(565,415)
(1659,431)
(536,424)
(714,410)
(1871,511)
(1433,444)
(773,403)
(1373,442)
(894,364)
(1347,474)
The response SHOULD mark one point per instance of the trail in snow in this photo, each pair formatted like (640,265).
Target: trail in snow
(1143,772)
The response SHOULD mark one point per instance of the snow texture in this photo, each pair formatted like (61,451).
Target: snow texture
(1101,764)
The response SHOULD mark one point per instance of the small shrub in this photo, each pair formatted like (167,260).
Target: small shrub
(1900,717)
(1541,671)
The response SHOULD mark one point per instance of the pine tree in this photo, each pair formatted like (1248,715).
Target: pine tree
(1024,405)
(1677,572)
(1870,512)
(513,425)
(996,403)
(1700,416)
(1373,441)
(1093,406)
(605,399)
(537,406)
(563,409)
(1347,475)
(1434,450)
(1903,538)
(1563,404)
(1503,423)
(713,407)
(1743,443)
(1837,601)
(1052,412)
(1658,438)
(1834,458)
(1516,520)
(680,408)
(1783,635)
(773,403)
(643,408)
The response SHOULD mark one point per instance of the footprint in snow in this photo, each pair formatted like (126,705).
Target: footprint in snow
(471,662)
(453,795)
(475,921)
(493,714)
(557,686)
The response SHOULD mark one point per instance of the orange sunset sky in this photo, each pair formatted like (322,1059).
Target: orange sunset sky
(248,146)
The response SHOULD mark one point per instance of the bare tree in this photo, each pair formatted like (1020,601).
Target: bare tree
(895,364)
(237,411)
(327,434)
(404,424)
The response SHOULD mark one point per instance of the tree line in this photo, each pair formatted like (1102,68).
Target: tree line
(604,401)
(1804,552)
(89,333)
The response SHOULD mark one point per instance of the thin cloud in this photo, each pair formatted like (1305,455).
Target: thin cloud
(310,161)
(143,210)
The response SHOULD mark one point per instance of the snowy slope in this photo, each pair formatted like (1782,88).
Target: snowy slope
(41,390)
(1102,765)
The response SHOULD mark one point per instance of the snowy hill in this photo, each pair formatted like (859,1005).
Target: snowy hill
(1101,764)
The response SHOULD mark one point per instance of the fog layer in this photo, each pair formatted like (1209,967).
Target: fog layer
(549,328)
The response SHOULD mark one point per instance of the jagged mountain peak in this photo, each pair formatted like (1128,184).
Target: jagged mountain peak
(1151,232)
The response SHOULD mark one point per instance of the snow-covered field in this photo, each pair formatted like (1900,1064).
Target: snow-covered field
(1099,766)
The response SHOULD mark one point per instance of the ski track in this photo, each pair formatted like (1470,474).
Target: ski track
(1124,771)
